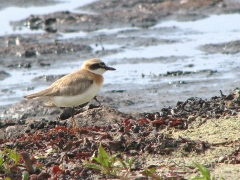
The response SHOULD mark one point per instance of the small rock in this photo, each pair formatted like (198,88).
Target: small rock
(221,159)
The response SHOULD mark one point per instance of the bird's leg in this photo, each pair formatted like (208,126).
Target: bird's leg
(95,98)
(73,119)
(72,112)
(74,123)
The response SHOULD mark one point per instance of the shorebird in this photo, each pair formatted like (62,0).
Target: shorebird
(76,88)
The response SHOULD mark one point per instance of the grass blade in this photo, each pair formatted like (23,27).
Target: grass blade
(103,156)
(204,171)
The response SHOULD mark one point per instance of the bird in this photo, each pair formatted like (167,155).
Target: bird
(76,88)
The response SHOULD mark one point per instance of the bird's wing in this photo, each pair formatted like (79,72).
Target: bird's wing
(69,85)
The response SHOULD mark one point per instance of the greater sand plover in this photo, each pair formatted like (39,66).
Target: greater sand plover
(76,88)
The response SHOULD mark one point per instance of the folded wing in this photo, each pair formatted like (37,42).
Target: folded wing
(69,85)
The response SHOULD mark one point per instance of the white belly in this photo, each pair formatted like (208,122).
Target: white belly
(70,101)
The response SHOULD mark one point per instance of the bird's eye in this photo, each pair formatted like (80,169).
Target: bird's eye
(102,64)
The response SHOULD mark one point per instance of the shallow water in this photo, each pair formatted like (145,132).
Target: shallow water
(18,13)
(188,36)
(191,35)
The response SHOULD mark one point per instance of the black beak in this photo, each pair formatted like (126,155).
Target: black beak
(109,68)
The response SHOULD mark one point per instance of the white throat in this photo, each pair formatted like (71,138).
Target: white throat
(98,71)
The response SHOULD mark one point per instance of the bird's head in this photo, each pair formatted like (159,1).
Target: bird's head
(96,66)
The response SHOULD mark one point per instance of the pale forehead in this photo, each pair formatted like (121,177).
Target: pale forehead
(95,60)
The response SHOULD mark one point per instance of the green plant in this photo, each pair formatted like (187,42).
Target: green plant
(150,172)
(105,163)
(8,160)
(204,171)
(111,165)
(25,175)
(126,164)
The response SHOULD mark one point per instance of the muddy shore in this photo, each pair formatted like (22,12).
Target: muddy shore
(26,52)
(197,130)
(166,125)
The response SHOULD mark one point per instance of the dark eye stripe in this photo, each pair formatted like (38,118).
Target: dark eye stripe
(97,66)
